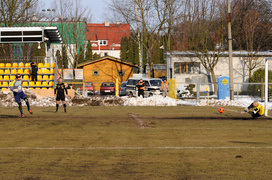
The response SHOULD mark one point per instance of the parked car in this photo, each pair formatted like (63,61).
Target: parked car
(107,88)
(122,89)
(89,87)
(152,86)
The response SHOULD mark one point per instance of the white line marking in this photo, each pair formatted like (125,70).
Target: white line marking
(127,148)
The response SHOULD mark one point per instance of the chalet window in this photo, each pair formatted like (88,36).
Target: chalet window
(105,54)
(120,72)
(95,72)
(187,68)
(103,42)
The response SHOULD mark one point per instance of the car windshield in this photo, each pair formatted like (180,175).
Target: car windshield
(108,84)
(89,84)
(123,84)
(155,82)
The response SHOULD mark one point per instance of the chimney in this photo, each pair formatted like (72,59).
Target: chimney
(118,22)
(106,23)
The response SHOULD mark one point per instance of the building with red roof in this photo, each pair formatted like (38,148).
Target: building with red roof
(106,38)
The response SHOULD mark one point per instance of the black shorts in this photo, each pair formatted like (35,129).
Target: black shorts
(60,97)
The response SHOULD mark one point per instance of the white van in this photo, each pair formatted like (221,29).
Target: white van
(152,86)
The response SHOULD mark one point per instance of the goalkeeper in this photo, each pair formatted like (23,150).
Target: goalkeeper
(17,89)
(258,110)
(59,90)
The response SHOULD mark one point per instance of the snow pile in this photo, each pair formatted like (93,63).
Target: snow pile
(97,101)
(183,92)
(150,101)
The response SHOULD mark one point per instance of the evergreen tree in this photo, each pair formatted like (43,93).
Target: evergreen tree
(59,59)
(89,51)
(64,57)
(81,56)
(95,56)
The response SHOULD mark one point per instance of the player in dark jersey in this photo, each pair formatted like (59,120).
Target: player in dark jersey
(59,91)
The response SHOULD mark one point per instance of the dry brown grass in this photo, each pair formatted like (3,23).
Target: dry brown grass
(134,143)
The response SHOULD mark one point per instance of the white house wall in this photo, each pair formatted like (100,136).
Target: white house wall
(240,71)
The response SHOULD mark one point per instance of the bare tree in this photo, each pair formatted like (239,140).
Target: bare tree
(203,29)
(74,17)
(251,29)
(16,11)
(150,19)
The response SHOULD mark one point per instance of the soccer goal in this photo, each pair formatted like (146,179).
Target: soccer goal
(266,87)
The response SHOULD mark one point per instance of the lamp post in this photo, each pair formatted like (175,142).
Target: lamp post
(230,53)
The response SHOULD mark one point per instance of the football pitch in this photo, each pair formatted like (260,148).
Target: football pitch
(182,142)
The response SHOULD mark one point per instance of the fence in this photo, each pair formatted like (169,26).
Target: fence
(241,90)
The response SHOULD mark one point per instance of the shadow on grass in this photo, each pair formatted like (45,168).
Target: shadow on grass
(244,142)
(8,116)
(217,118)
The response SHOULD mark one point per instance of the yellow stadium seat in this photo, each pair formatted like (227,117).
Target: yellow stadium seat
(51,83)
(38,83)
(47,65)
(52,77)
(5,84)
(14,65)
(31,83)
(0,77)
(37,88)
(46,71)
(50,88)
(25,83)
(39,77)
(26,71)
(21,65)
(13,71)
(20,71)
(40,65)
(6,77)
(25,77)
(0,84)
(40,71)
(8,65)
(7,71)
(44,83)
(44,88)
(45,77)
(12,77)
(52,71)
(27,65)
(10,83)
(53,65)
(1,71)
(2,65)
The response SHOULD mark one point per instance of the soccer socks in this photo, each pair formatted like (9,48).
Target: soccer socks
(57,107)
(64,106)
(27,104)
(20,108)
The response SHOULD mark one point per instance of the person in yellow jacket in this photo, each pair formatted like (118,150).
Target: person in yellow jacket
(258,110)
(165,88)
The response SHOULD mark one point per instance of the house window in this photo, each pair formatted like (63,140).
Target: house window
(120,72)
(187,68)
(95,72)
(105,54)
(103,42)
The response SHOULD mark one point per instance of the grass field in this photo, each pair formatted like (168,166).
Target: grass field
(134,143)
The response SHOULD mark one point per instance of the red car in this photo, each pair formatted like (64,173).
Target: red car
(89,87)
(107,88)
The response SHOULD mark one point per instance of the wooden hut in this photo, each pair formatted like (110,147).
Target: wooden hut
(106,69)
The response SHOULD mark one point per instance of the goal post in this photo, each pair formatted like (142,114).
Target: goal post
(266,86)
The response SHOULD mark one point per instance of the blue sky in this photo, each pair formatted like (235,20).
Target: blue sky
(98,8)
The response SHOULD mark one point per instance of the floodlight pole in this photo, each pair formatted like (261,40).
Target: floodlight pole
(266,87)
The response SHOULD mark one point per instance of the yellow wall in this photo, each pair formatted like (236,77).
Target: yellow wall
(107,72)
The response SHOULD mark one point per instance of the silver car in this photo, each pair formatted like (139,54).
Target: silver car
(122,89)
(152,86)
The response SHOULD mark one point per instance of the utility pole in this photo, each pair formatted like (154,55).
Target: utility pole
(139,39)
(230,54)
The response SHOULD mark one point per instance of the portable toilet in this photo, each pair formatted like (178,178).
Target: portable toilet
(223,87)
